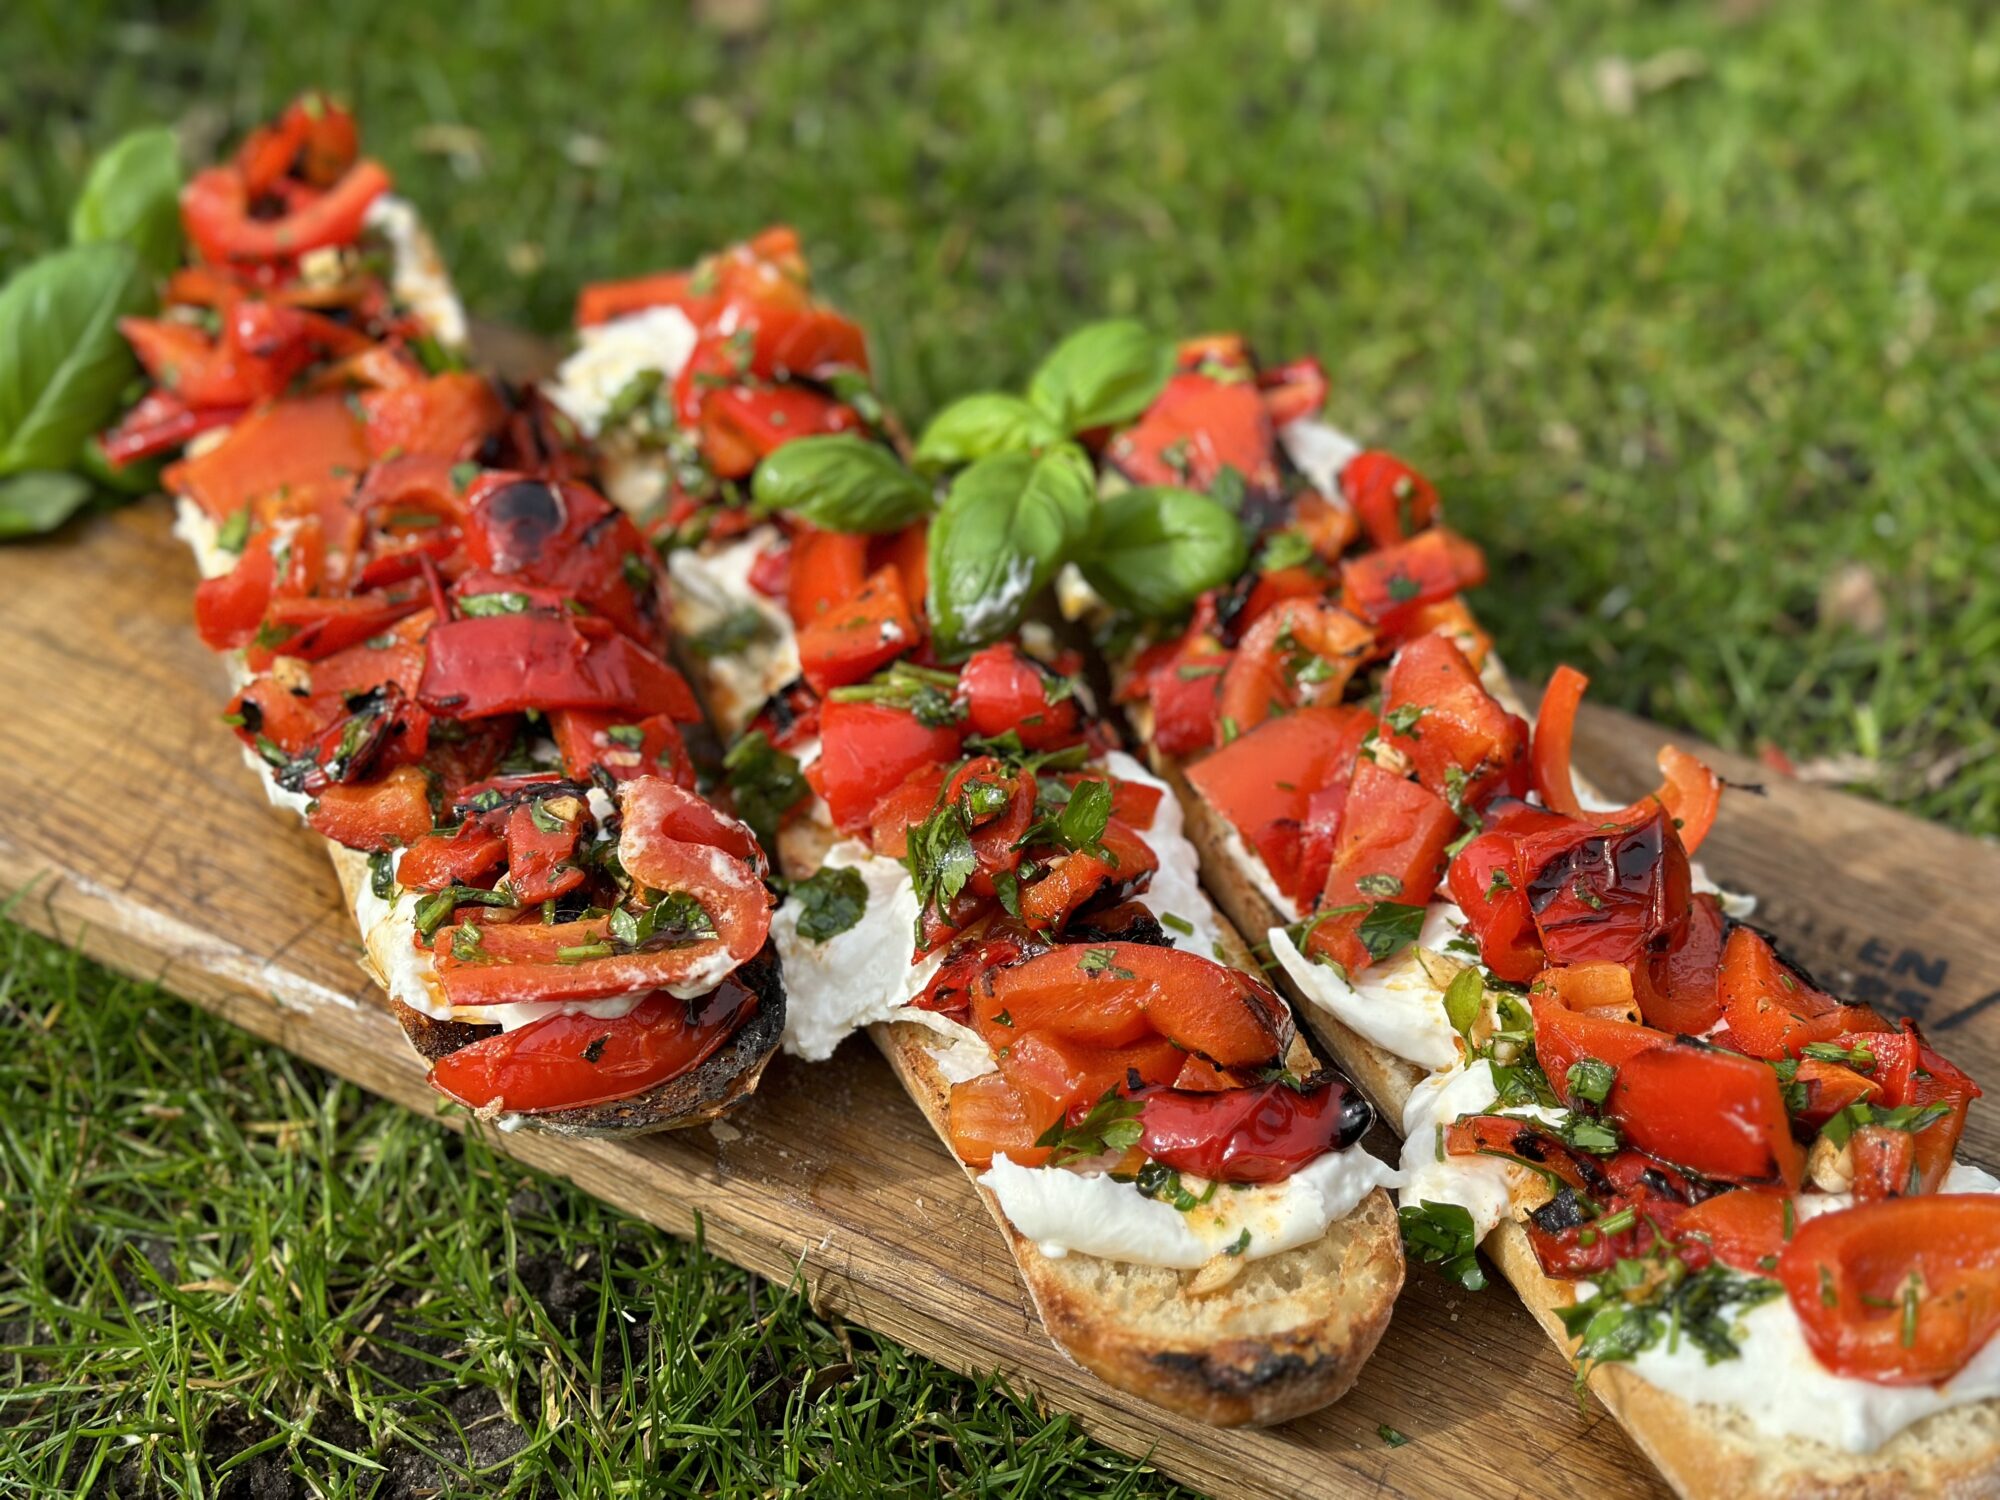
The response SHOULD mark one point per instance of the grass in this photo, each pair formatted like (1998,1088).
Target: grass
(1691,310)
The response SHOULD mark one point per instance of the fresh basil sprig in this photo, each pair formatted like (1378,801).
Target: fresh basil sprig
(1102,374)
(132,197)
(841,483)
(63,364)
(1006,525)
(1155,551)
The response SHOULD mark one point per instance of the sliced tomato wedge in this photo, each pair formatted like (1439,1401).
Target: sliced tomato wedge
(860,635)
(1902,1292)
(1462,743)
(1003,688)
(1712,1112)
(827,567)
(1391,848)
(1393,501)
(1118,993)
(569,1061)
(1263,1133)
(376,816)
(503,664)
(866,751)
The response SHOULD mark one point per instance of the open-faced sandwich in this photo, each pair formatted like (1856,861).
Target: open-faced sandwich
(977,874)
(450,656)
(1730,1196)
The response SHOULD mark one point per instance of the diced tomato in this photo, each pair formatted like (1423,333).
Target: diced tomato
(377,815)
(908,552)
(856,637)
(1566,1037)
(1274,588)
(563,535)
(1614,894)
(319,627)
(1555,727)
(903,807)
(216,210)
(1908,1071)
(1830,1088)
(1116,994)
(1392,499)
(1003,688)
(471,855)
(1265,779)
(866,751)
(229,607)
(988,1117)
(1074,880)
(501,664)
(740,425)
(1293,391)
(541,848)
(1054,1074)
(1771,1011)
(1680,991)
(1744,1228)
(1391,848)
(569,1061)
(1902,1293)
(1298,654)
(1487,884)
(310,449)
(1436,711)
(447,416)
(1330,528)
(1263,1133)
(1386,587)
(1600,989)
(590,741)
(996,835)
(1452,619)
(1711,1112)
(1186,697)
(1198,428)
(827,568)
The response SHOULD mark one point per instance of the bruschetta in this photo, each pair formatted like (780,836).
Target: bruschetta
(1731,1197)
(977,875)
(449,658)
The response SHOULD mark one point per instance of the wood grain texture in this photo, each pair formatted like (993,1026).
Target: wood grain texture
(146,840)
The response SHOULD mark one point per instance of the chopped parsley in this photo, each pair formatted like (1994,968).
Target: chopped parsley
(736,631)
(1643,1300)
(479,606)
(1097,961)
(765,783)
(1441,1234)
(1112,1125)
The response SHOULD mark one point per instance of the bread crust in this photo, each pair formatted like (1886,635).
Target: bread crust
(1705,1452)
(719,1084)
(1288,1336)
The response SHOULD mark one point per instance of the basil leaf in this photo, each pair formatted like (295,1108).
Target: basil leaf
(841,483)
(39,500)
(1103,373)
(830,903)
(62,362)
(1153,552)
(1005,527)
(132,197)
(980,426)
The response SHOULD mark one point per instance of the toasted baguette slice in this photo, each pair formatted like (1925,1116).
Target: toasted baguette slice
(720,1083)
(1287,1335)
(1705,1452)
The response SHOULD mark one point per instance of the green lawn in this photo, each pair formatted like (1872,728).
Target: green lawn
(1694,312)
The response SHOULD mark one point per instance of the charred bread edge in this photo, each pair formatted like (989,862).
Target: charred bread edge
(1703,1451)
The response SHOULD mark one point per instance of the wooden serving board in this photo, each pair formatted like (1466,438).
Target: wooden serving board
(145,840)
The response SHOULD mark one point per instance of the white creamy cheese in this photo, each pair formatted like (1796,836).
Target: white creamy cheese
(417,275)
(711,586)
(1395,1004)
(1320,452)
(610,355)
(1784,1391)
(1477,1184)
(1250,863)
(858,976)
(1090,1213)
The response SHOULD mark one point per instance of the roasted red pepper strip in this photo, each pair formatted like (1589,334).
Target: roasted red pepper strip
(503,664)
